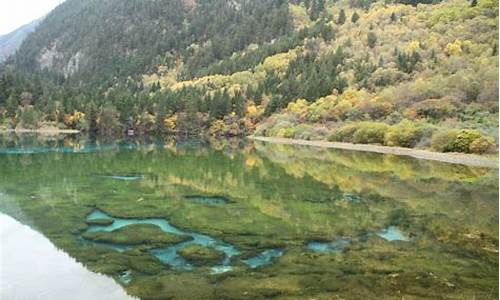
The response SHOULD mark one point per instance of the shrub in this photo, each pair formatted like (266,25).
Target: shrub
(443,141)
(361,133)
(482,145)
(370,133)
(285,132)
(308,132)
(460,141)
(405,134)
(464,140)
(343,134)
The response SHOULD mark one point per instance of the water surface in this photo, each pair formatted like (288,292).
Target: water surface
(274,221)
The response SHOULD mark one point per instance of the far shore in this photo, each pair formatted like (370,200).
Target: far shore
(453,158)
(42,131)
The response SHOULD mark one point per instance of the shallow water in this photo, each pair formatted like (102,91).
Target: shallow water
(168,255)
(290,221)
(392,233)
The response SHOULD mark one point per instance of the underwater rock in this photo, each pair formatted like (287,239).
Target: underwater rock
(220,269)
(125,277)
(137,234)
(125,177)
(351,198)
(100,222)
(336,246)
(210,200)
(392,233)
(263,258)
(201,256)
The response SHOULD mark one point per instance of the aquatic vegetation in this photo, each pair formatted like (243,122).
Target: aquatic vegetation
(199,256)
(136,234)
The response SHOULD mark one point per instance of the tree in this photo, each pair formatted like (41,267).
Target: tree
(341,19)
(317,7)
(372,39)
(393,17)
(355,17)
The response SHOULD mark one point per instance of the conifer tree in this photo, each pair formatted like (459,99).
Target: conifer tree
(355,17)
(341,19)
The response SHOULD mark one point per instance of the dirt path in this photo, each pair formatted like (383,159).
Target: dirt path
(454,158)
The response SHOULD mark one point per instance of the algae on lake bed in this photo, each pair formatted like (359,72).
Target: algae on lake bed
(138,234)
(200,256)
(280,198)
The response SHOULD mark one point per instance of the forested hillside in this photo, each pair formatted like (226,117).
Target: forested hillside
(404,73)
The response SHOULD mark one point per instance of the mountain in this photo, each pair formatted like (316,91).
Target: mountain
(412,73)
(114,37)
(10,42)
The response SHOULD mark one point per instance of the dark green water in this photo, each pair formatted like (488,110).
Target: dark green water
(248,220)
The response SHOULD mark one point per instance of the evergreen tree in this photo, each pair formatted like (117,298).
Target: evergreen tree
(341,19)
(372,39)
(393,17)
(355,17)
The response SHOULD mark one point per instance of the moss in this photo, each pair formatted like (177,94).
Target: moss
(137,234)
(177,286)
(201,256)
(145,263)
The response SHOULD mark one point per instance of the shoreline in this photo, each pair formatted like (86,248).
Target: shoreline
(41,131)
(453,158)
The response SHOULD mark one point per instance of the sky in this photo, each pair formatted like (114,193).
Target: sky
(15,13)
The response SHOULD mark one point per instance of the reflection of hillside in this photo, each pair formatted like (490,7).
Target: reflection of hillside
(426,187)
(267,198)
(280,196)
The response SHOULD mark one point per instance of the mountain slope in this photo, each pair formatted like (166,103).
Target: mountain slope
(102,39)
(399,74)
(10,42)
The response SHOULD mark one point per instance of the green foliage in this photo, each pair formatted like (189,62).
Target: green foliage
(482,145)
(416,2)
(344,133)
(405,134)
(371,38)
(29,118)
(464,140)
(108,121)
(342,17)
(355,17)
(407,62)
(370,133)
(361,133)
(444,141)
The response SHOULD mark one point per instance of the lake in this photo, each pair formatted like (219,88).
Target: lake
(239,219)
